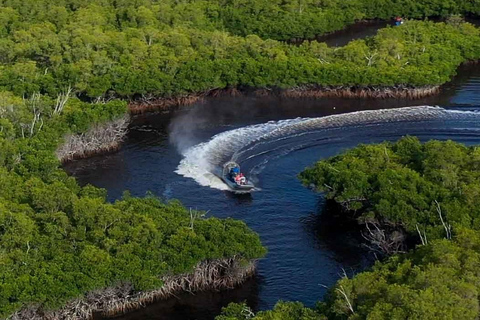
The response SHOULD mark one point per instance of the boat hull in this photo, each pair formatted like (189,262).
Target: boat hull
(226,177)
(232,185)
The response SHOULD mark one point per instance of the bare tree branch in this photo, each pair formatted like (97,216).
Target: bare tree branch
(447,227)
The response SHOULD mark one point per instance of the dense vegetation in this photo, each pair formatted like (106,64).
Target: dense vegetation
(107,48)
(423,190)
(305,19)
(437,281)
(429,194)
(281,311)
(59,240)
(430,191)
(278,20)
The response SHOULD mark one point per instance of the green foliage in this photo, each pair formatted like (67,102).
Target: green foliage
(80,116)
(400,182)
(131,48)
(281,311)
(405,184)
(413,186)
(281,20)
(59,241)
(436,281)
(236,311)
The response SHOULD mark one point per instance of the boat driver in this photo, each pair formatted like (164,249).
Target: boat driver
(237,179)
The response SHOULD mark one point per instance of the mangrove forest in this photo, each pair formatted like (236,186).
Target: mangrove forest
(73,71)
(145,51)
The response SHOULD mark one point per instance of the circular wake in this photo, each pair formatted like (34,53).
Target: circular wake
(203,162)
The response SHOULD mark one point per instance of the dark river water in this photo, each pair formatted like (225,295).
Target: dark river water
(174,155)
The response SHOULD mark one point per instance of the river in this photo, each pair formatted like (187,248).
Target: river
(172,155)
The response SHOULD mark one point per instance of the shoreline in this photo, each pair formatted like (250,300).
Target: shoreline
(85,145)
(143,106)
(217,275)
(100,139)
(108,137)
(399,92)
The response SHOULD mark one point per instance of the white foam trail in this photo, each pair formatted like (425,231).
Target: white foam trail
(202,161)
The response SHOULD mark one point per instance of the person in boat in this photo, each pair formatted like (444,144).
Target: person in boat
(238,179)
(243,180)
(234,171)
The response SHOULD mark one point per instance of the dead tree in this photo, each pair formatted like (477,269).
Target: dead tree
(341,290)
(62,100)
(383,241)
(194,214)
(33,103)
(446,226)
(423,238)
(371,58)
(102,138)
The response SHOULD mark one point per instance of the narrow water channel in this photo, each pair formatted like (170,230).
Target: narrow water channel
(305,251)
(173,153)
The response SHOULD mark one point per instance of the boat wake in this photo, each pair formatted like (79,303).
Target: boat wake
(258,144)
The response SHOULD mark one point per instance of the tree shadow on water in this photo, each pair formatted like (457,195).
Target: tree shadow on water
(331,230)
(199,306)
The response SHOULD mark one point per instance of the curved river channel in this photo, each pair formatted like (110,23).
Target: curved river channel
(173,155)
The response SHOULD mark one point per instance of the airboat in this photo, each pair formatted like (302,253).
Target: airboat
(234,178)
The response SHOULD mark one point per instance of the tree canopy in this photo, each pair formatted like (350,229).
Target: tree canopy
(143,48)
(436,281)
(419,188)
(59,241)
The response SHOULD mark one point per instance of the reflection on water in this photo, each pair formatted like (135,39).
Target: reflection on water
(330,231)
(203,305)
(306,250)
(353,32)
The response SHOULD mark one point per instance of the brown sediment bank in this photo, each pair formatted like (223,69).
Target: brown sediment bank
(156,104)
(399,92)
(152,104)
(218,274)
(108,137)
(99,139)
(307,91)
